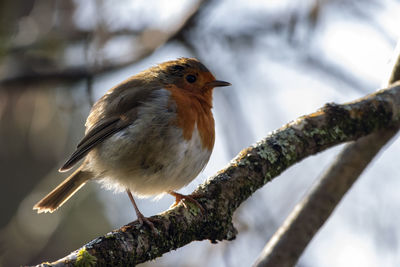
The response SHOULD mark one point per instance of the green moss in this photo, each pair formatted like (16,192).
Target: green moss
(193,208)
(84,259)
(338,133)
(244,162)
(267,177)
(316,131)
(154,252)
(109,236)
(287,142)
(140,242)
(268,153)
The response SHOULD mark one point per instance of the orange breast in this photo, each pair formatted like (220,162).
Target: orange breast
(194,109)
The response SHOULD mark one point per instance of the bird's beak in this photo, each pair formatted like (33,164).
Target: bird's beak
(217,83)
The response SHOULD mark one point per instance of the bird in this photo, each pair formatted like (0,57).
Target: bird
(150,135)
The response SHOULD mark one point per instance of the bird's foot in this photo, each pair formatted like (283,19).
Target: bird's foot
(149,221)
(180,198)
(141,218)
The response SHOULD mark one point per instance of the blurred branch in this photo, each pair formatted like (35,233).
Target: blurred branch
(260,25)
(332,70)
(250,170)
(290,240)
(89,90)
(395,74)
(86,71)
(191,19)
(72,37)
(363,10)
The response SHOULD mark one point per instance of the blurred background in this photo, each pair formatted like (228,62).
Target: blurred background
(285,58)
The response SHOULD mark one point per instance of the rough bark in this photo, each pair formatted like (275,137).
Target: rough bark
(288,243)
(251,169)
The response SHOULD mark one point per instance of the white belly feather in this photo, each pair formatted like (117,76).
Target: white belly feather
(149,157)
(178,170)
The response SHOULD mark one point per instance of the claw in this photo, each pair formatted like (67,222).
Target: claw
(141,218)
(180,198)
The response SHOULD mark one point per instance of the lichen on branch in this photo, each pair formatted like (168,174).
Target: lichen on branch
(255,166)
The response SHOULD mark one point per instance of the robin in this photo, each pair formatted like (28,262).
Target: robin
(152,134)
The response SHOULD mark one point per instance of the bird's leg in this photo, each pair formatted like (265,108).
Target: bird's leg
(181,198)
(142,219)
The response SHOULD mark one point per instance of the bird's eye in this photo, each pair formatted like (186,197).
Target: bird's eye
(191,78)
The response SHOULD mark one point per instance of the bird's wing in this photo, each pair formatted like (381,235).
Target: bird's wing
(114,114)
(103,130)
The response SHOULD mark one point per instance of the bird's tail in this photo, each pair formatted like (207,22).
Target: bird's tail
(63,192)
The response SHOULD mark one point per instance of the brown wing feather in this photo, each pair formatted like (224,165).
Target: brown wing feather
(113,112)
(93,137)
(98,128)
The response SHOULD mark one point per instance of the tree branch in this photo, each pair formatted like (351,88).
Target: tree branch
(74,73)
(288,243)
(250,170)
